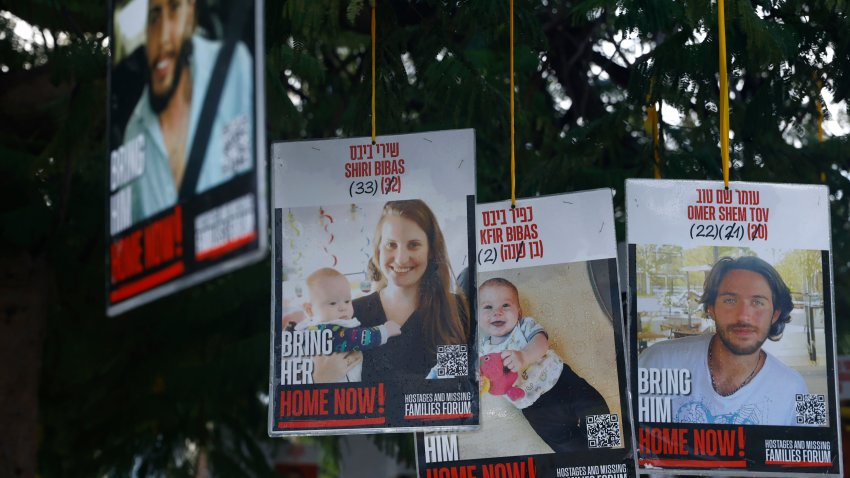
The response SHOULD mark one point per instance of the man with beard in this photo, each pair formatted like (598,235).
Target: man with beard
(180,71)
(728,377)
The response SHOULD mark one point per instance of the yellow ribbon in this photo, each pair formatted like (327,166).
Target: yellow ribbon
(654,132)
(652,128)
(724,93)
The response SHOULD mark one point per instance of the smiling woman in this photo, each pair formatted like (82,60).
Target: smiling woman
(410,264)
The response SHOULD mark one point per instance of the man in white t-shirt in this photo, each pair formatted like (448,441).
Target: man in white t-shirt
(726,377)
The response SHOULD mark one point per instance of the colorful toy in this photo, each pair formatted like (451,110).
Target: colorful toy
(497,379)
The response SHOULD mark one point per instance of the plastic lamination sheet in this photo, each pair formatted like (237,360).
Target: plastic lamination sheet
(551,358)
(732,328)
(371,316)
(185,197)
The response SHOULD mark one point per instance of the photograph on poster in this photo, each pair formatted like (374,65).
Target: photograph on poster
(535,313)
(551,345)
(547,346)
(372,324)
(733,329)
(185,195)
(707,313)
(163,79)
(345,268)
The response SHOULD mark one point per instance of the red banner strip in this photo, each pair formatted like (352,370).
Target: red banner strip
(447,416)
(228,246)
(332,423)
(674,462)
(145,283)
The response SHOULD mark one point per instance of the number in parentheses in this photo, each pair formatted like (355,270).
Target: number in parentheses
(489,256)
(357,188)
(390,184)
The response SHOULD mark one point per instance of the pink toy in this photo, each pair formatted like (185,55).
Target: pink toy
(497,379)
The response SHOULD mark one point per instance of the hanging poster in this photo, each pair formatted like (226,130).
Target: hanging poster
(732,322)
(186,147)
(371,318)
(551,347)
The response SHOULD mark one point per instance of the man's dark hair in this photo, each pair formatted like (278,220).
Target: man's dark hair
(781,294)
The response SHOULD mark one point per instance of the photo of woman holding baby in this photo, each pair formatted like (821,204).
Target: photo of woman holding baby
(415,289)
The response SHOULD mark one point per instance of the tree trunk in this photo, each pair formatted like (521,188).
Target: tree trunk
(23,308)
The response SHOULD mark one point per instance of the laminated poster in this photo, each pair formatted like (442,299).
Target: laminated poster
(732,327)
(551,357)
(185,197)
(372,323)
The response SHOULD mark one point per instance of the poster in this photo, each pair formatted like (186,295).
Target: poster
(186,189)
(733,326)
(371,317)
(551,347)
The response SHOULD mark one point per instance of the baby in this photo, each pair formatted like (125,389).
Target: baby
(556,400)
(329,307)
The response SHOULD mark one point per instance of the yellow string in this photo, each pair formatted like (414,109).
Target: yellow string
(513,148)
(651,126)
(819,107)
(374,123)
(724,93)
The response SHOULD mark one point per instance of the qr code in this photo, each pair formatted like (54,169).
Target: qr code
(810,409)
(603,431)
(452,361)
(237,145)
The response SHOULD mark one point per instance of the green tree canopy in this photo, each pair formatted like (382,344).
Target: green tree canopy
(189,371)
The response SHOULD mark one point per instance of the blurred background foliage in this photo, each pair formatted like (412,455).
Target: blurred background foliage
(150,391)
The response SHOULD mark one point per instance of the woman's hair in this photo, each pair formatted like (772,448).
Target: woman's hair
(436,298)
(781,294)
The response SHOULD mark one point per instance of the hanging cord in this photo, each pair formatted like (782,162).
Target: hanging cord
(651,126)
(819,106)
(374,122)
(513,132)
(724,93)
